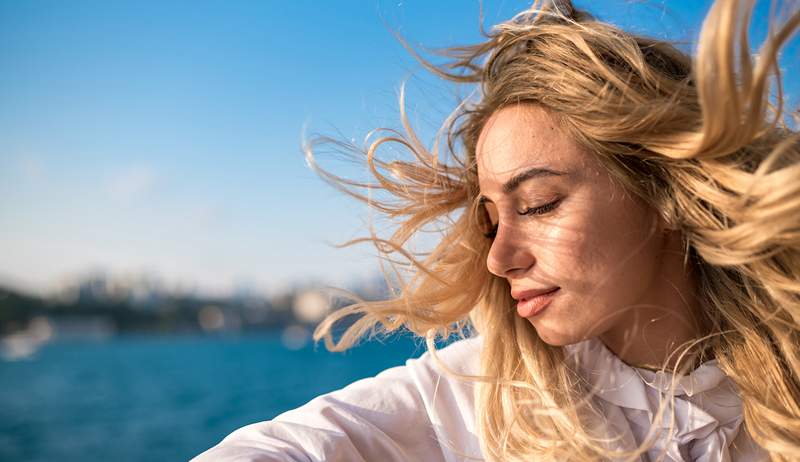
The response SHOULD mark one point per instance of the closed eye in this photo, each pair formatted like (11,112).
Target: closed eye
(540,210)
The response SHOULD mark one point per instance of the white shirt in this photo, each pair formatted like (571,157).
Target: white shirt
(417,413)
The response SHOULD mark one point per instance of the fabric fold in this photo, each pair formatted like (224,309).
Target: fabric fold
(702,415)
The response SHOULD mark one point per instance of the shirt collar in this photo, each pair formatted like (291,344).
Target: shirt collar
(707,408)
(621,384)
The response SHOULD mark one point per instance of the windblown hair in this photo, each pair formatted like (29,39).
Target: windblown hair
(703,141)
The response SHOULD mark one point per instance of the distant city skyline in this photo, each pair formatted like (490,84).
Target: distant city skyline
(163,138)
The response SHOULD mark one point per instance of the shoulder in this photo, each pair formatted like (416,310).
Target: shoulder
(449,401)
(461,356)
(421,375)
(410,412)
(424,380)
(414,404)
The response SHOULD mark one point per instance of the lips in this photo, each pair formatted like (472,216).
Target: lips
(522,295)
(533,302)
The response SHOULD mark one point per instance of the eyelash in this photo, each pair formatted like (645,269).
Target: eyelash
(540,210)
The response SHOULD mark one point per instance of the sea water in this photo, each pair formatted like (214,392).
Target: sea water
(134,398)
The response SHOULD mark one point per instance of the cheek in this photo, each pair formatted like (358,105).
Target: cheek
(622,253)
(607,249)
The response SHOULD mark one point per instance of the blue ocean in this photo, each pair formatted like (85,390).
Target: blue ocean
(135,398)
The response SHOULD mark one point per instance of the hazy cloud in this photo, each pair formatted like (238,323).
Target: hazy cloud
(132,183)
(32,167)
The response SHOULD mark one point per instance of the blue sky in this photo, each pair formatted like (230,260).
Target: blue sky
(163,138)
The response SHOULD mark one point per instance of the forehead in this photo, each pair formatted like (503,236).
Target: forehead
(521,136)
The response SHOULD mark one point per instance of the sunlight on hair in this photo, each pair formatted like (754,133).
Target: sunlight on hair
(695,138)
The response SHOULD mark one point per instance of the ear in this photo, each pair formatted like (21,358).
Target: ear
(662,225)
(667,219)
(666,225)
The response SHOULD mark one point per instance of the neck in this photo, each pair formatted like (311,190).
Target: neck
(656,334)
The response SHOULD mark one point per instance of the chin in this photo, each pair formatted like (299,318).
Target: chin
(558,339)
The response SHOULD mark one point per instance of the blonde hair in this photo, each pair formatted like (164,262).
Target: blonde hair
(700,141)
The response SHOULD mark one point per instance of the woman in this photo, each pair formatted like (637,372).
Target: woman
(621,257)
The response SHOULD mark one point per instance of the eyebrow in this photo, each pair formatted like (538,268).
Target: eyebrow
(535,172)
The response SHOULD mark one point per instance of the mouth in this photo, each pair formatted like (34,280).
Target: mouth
(534,302)
(522,295)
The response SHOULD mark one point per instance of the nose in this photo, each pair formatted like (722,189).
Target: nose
(509,255)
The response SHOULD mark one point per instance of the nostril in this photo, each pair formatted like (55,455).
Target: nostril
(496,262)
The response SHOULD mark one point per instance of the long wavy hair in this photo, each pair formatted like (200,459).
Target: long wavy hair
(704,141)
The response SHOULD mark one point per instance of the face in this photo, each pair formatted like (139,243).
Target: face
(567,225)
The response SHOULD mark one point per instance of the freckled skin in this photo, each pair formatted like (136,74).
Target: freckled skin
(604,247)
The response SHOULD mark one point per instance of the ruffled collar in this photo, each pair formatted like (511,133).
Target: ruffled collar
(607,372)
(707,409)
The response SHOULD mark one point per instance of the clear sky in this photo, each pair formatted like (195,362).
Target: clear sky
(163,138)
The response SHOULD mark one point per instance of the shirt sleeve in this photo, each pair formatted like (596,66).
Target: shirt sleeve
(378,418)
